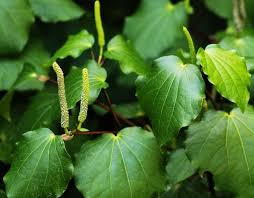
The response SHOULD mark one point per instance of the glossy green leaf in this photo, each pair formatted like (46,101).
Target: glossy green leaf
(222,143)
(244,46)
(9,72)
(155,26)
(41,166)
(74,46)
(57,10)
(73,81)
(228,72)
(131,165)
(5,105)
(171,95)
(16,18)
(42,110)
(179,167)
(130,61)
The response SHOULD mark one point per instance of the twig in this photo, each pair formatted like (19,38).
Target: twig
(91,132)
(110,107)
(117,114)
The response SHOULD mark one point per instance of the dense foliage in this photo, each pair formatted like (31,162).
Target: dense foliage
(120,99)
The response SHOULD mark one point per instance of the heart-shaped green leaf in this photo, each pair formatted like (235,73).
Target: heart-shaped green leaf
(244,46)
(172,96)
(57,10)
(228,72)
(41,166)
(126,165)
(16,19)
(124,52)
(222,143)
(156,25)
(179,166)
(97,78)
(74,46)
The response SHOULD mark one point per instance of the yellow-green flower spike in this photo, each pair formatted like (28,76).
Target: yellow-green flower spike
(62,96)
(99,28)
(191,45)
(84,98)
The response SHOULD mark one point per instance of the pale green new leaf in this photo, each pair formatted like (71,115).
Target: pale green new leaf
(126,165)
(9,72)
(73,81)
(171,95)
(130,61)
(74,46)
(42,110)
(222,143)
(244,46)
(228,72)
(16,18)
(179,167)
(41,166)
(155,26)
(56,10)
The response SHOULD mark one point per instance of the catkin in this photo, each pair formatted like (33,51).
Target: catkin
(84,97)
(98,23)
(62,97)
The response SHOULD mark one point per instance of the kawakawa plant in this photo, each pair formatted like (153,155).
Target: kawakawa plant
(132,162)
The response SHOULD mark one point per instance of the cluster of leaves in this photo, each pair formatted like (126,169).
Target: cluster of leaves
(191,119)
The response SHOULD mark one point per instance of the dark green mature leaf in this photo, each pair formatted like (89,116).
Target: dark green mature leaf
(156,25)
(41,166)
(179,167)
(124,52)
(9,72)
(228,72)
(130,166)
(5,105)
(57,10)
(224,8)
(42,110)
(31,78)
(171,95)
(2,194)
(97,77)
(244,46)
(195,188)
(74,46)
(35,53)
(129,110)
(223,144)
(8,138)
(16,19)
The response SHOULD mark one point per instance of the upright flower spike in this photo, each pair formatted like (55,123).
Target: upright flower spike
(99,28)
(191,45)
(62,97)
(84,98)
